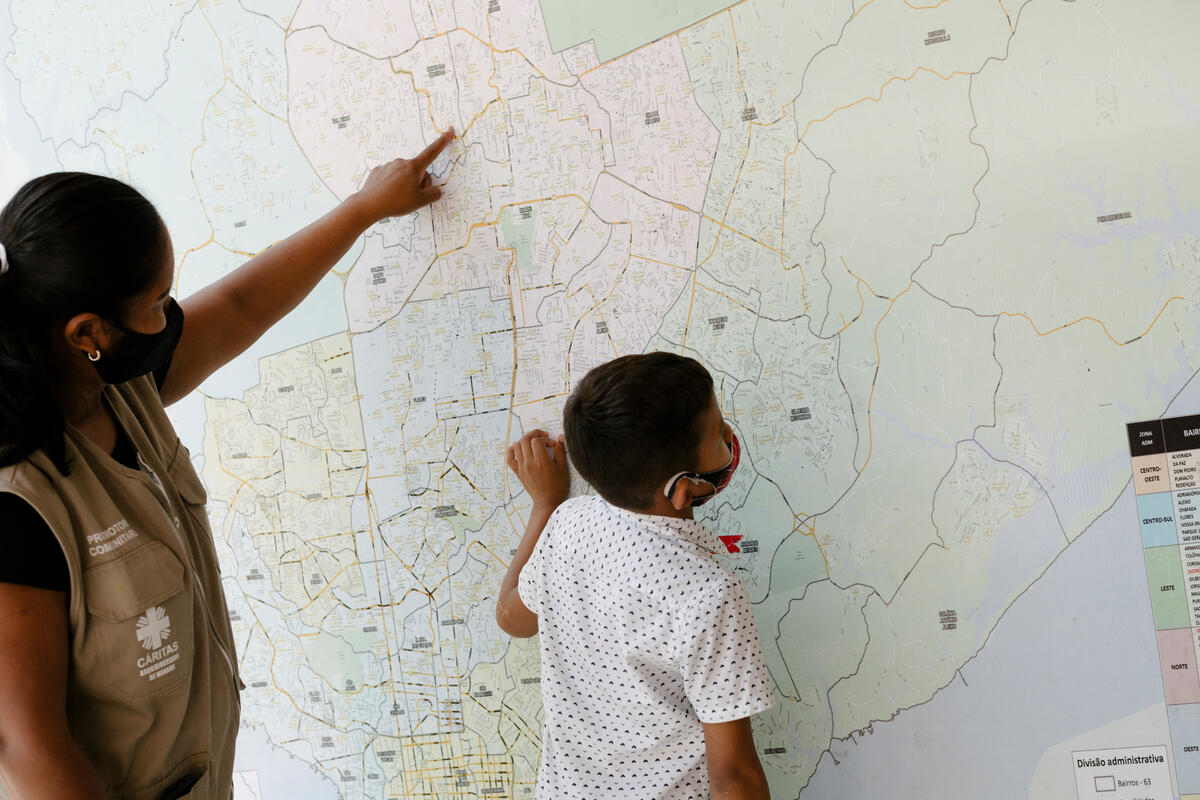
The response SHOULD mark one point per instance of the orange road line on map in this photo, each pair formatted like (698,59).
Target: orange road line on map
(727,297)
(190,250)
(856,277)
(737,54)
(1007,16)
(586,286)
(254,102)
(516,274)
(454,467)
(878,366)
(886,83)
(508,514)
(861,301)
(246,483)
(656,261)
(471,231)
(500,212)
(719,223)
(512,389)
(925,8)
(526,729)
(495,50)
(499,560)
(764,124)
(540,400)
(608,332)
(596,306)
(479,116)
(312,445)
(121,147)
(432,18)
(746,236)
(413,80)
(235,251)
(416,441)
(811,530)
(328,585)
(372,525)
(783,232)
(716,239)
(469,399)
(1103,327)
(337,535)
(859,10)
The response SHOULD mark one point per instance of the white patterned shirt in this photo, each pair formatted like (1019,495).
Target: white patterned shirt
(644,635)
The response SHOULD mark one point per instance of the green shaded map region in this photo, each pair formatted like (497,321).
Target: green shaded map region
(619,26)
(516,225)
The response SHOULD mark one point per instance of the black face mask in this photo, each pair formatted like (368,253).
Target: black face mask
(139,354)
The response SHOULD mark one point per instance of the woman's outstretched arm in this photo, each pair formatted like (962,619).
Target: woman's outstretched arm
(226,317)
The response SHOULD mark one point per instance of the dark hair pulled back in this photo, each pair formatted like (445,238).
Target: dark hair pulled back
(76,243)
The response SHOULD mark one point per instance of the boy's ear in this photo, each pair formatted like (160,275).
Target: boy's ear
(681,498)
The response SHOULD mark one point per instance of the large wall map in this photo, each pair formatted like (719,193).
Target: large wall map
(935,253)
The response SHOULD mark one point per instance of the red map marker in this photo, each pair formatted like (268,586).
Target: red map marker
(730,543)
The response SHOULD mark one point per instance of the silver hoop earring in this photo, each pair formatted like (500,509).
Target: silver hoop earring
(94,357)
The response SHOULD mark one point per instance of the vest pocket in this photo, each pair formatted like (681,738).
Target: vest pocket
(141,618)
(189,779)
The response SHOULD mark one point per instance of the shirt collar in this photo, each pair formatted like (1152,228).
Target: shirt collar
(687,529)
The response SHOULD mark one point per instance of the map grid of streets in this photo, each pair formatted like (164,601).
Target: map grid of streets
(935,255)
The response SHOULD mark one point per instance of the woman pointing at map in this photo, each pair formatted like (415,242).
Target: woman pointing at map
(118,674)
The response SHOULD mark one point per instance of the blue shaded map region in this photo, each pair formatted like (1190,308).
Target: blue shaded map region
(1157,515)
(1052,670)
(1185,733)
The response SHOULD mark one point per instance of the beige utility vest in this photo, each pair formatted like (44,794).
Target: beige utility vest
(152,694)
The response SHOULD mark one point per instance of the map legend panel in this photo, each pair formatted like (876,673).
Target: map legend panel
(1126,773)
(1166,479)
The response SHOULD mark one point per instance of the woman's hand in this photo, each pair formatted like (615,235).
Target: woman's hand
(402,186)
(540,463)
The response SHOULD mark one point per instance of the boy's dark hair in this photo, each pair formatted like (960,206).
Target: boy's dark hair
(633,422)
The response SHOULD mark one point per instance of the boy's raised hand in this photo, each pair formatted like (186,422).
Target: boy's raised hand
(540,463)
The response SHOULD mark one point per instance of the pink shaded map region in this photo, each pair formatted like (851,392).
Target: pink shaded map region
(1177,656)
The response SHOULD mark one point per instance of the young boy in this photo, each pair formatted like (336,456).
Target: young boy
(651,666)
